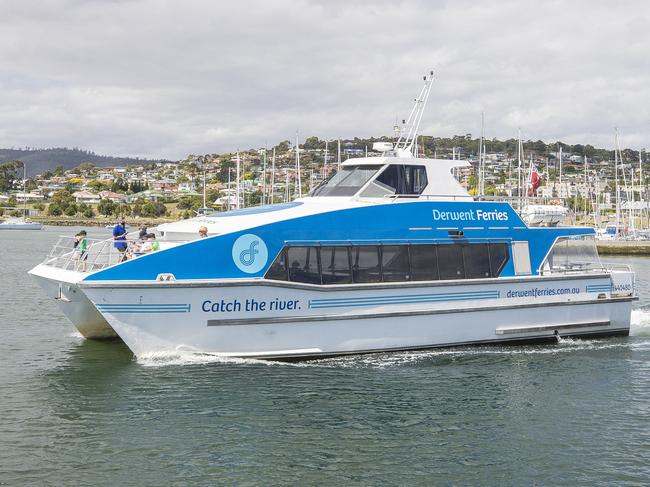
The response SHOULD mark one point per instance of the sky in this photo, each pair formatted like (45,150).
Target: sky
(164,79)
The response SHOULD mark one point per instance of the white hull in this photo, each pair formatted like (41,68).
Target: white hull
(62,286)
(316,322)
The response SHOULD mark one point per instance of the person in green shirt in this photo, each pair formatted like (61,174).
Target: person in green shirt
(81,246)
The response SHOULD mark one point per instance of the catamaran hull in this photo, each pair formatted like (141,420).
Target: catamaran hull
(62,286)
(279,321)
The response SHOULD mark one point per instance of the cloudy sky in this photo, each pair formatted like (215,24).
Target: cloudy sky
(159,78)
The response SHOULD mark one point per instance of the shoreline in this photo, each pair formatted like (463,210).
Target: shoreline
(623,247)
(99,222)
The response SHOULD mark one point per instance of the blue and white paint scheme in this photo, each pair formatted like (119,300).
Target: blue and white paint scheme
(266,283)
(390,253)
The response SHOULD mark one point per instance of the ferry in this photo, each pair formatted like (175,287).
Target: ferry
(390,253)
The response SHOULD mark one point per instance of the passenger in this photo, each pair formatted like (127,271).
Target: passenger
(151,245)
(119,238)
(143,233)
(81,246)
(203,232)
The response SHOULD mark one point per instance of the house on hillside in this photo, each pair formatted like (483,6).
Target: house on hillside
(114,197)
(86,197)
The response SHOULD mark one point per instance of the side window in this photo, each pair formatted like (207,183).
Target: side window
(477,260)
(335,265)
(365,263)
(303,264)
(389,178)
(450,261)
(415,179)
(498,258)
(424,262)
(278,270)
(395,263)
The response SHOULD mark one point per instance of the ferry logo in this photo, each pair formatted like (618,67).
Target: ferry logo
(249,253)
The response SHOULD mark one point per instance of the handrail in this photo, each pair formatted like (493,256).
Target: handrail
(99,254)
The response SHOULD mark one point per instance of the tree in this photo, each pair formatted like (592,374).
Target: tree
(71,210)
(119,186)
(85,167)
(88,213)
(62,198)
(9,175)
(106,207)
(54,209)
(39,206)
(97,185)
(59,170)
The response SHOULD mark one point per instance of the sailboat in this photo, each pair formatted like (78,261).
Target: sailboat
(21,223)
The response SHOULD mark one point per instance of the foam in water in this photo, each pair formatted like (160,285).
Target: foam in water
(182,357)
(640,322)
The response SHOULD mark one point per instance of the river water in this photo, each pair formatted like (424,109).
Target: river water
(78,412)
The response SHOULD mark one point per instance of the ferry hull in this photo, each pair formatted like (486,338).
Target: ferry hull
(62,286)
(228,320)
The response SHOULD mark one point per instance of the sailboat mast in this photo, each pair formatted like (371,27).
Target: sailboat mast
(298,182)
(237,194)
(264,178)
(480,159)
(272,176)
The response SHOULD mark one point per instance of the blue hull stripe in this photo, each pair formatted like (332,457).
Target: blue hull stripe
(144,308)
(406,299)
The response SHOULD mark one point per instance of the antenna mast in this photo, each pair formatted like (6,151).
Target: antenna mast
(407,143)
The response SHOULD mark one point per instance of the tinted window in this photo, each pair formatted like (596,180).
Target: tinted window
(498,258)
(403,180)
(335,265)
(450,261)
(415,179)
(477,260)
(365,263)
(278,269)
(303,264)
(424,263)
(395,263)
(346,182)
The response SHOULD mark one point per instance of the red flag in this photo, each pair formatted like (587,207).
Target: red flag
(535,181)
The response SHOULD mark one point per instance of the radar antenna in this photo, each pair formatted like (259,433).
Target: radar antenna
(406,145)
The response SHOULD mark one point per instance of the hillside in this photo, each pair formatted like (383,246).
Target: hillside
(40,160)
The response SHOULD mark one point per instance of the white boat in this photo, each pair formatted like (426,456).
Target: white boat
(20,224)
(391,253)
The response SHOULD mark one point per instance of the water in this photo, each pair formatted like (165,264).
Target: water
(77,412)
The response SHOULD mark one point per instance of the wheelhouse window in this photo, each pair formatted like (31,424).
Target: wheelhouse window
(398,179)
(347,181)
(347,264)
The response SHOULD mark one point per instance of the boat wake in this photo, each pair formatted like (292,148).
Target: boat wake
(640,323)
(184,357)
